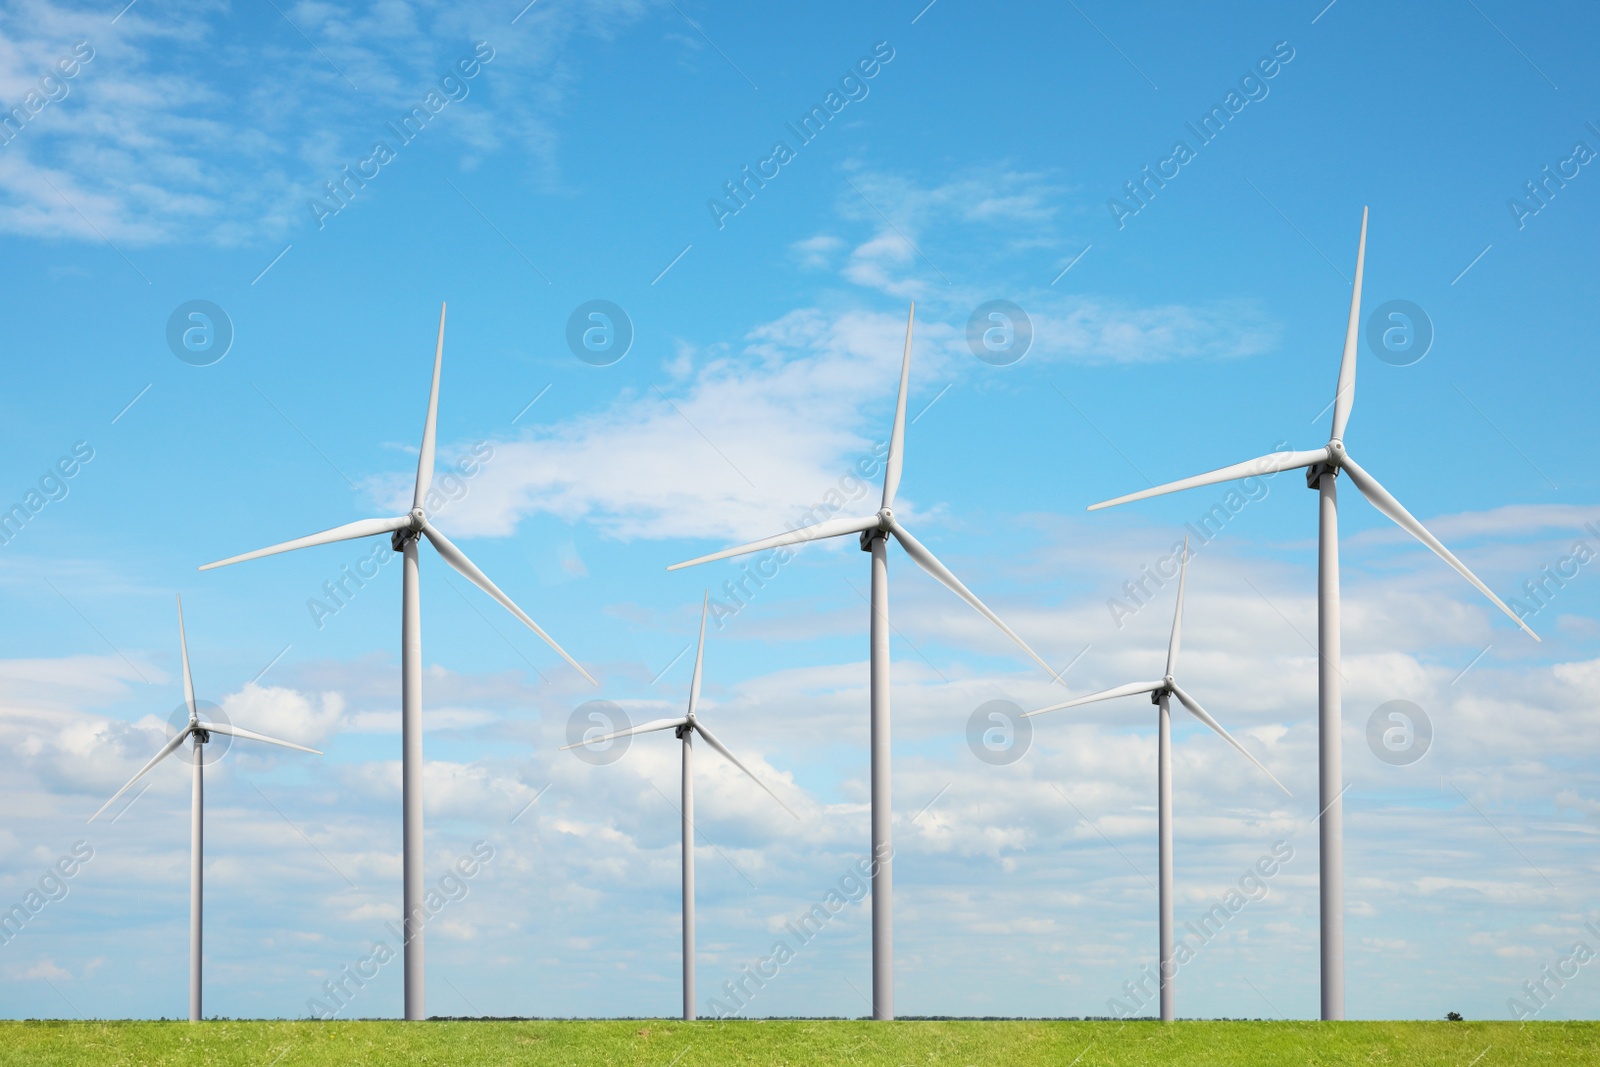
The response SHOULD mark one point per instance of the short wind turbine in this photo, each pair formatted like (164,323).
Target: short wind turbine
(875,531)
(1160,691)
(1323,466)
(201,732)
(686,727)
(404,532)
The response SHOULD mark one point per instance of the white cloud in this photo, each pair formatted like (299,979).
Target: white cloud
(816,253)
(1088,330)
(999,864)
(1011,215)
(740,450)
(142,151)
(72,680)
(49,971)
(284,713)
(753,440)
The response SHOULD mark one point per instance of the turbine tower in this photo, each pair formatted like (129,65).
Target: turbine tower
(1160,691)
(875,531)
(404,532)
(201,732)
(686,727)
(1323,466)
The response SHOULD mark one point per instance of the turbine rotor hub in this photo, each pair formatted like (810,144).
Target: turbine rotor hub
(1315,471)
(407,534)
(872,533)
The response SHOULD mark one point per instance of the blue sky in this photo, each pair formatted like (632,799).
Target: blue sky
(977,163)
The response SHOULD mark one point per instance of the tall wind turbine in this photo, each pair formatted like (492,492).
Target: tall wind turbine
(201,732)
(875,531)
(686,727)
(404,531)
(1322,468)
(1160,691)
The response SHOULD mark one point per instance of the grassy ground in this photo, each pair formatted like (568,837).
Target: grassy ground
(664,1043)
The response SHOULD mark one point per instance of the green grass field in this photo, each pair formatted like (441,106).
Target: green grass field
(668,1043)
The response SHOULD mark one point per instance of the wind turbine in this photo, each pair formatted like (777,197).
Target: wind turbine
(404,531)
(1322,468)
(201,732)
(875,531)
(1160,691)
(685,728)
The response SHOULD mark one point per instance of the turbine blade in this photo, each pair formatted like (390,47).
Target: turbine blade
(897,439)
(699,656)
(1131,689)
(166,750)
(430,428)
(457,559)
(1380,498)
(1271,464)
(1177,612)
(642,728)
(349,531)
(251,735)
(1200,713)
(1345,396)
(831,528)
(927,562)
(188,682)
(731,758)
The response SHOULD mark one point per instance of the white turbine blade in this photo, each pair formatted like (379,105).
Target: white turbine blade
(1177,612)
(897,439)
(457,559)
(166,750)
(1277,461)
(1200,713)
(429,429)
(1380,498)
(699,656)
(1131,689)
(347,532)
(731,758)
(643,728)
(927,562)
(831,528)
(188,682)
(251,735)
(1345,397)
